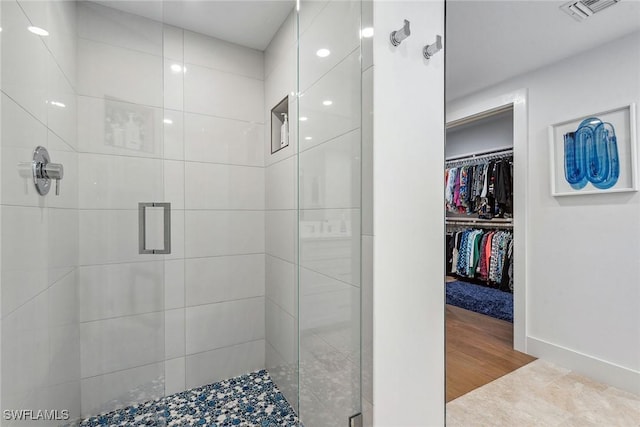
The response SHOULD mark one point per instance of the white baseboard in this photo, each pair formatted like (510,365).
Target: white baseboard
(592,367)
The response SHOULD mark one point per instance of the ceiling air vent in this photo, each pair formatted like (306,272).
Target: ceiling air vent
(581,10)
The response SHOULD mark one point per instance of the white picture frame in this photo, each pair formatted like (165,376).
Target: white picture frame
(622,121)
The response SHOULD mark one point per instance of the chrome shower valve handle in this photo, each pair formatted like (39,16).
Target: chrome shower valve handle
(44,171)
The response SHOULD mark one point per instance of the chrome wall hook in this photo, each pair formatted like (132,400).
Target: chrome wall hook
(431,49)
(396,37)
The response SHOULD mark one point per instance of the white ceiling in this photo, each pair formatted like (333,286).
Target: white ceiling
(251,23)
(490,41)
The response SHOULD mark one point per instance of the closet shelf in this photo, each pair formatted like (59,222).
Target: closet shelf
(478,222)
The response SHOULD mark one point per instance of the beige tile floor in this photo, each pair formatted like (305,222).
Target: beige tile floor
(542,394)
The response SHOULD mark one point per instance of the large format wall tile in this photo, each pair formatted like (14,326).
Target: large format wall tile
(330,174)
(211,366)
(219,140)
(25,81)
(281,234)
(224,278)
(117,28)
(110,126)
(331,105)
(110,72)
(214,186)
(121,343)
(116,290)
(221,55)
(221,94)
(119,389)
(280,283)
(119,182)
(343,20)
(224,324)
(215,233)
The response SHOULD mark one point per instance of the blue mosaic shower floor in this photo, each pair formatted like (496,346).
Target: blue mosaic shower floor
(248,400)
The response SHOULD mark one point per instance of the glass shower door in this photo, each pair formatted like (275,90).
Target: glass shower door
(83,307)
(329,225)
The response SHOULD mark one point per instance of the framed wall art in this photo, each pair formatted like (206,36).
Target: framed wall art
(594,154)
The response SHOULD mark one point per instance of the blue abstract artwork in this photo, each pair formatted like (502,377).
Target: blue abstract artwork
(591,155)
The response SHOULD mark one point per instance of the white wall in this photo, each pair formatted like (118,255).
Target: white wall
(491,133)
(195,316)
(583,293)
(408,268)
(40,332)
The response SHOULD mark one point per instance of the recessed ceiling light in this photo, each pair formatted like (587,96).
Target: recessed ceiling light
(57,104)
(323,53)
(303,119)
(308,138)
(327,102)
(168,121)
(367,32)
(38,31)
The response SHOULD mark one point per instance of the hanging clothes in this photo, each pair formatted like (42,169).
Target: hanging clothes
(486,255)
(484,188)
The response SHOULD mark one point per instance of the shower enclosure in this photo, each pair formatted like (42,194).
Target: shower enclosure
(174,248)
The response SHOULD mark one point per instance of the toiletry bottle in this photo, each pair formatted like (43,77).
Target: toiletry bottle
(284,132)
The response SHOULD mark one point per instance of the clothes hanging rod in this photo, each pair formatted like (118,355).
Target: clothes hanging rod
(481,223)
(503,152)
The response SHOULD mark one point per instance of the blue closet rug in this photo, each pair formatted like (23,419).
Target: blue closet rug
(481,299)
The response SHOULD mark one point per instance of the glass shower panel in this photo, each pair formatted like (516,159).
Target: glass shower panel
(121,260)
(329,226)
(82,309)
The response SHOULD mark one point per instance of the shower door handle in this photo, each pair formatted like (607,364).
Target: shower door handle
(142,227)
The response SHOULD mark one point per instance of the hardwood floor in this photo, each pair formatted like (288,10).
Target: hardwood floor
(479,349)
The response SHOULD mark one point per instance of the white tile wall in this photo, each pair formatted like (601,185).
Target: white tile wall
(110,72)
(334,253)
(174,284)
(110,26)
(224,56)
(281,184)
(174,375)
(210,366)
(118,182)
(116,290)
(119,389)
(222,94)
(40,329)
(121,343)
(281,332)
(215,233)
(281,234)
(213,326)
(335,28)
(215,186)
(174,332)
(25,80)
(95,135)
(280,283)
(220,140)
(224,278)
(330,173)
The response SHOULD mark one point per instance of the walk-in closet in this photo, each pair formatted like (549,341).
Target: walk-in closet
(479,248)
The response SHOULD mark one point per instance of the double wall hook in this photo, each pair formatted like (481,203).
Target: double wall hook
(396,37)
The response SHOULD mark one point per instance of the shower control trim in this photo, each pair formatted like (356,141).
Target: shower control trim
(44,171)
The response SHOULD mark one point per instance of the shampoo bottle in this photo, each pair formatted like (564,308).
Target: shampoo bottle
(284,132)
